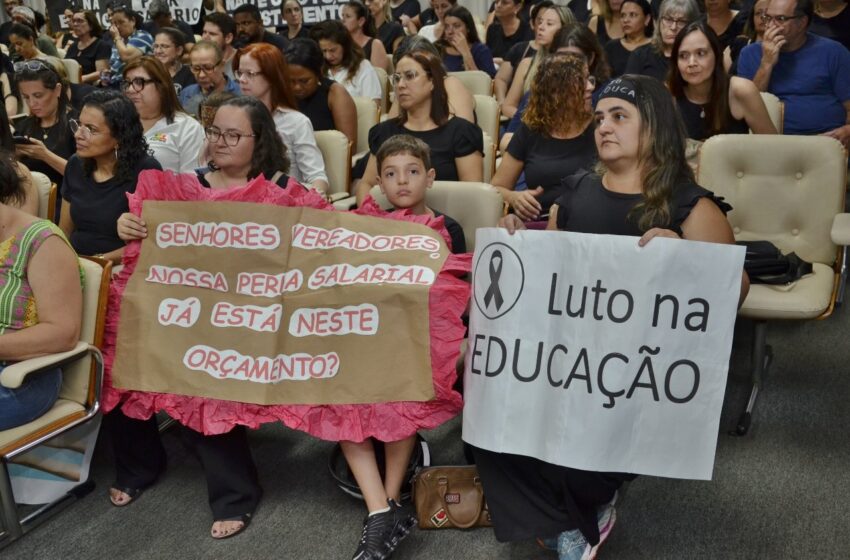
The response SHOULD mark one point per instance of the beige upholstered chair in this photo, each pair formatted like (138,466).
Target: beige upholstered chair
(489,158)
(788,190)
(46,195)
(79,398)
(477,82)
(73,70)
(336,151)
(487,115)
(775,109)
(368,116)
(385,88)
(472,205)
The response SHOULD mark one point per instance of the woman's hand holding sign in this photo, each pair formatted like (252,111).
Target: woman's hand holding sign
(525,203)
(657,232)
(512,223)
(131,227)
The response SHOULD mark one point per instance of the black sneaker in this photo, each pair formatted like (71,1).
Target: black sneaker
(403,521)
(377,531)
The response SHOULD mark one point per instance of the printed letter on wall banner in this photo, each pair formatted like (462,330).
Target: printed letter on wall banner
(266,304)
(590,352)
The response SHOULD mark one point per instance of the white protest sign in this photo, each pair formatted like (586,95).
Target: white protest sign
(189,11)
(590,352)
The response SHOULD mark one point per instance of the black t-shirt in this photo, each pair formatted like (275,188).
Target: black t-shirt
(98,50)
(408,8)
(735,28)
(281,181)
(500,44)
(647,62)
(180,25)
(836,28)
(79,93)
(316,106)
(457,138)
(586,206)
(5,28)
(519,51)
(455,233)
(696,124)
(183,78)
(303,33)
(548,160)
(273,39)
(618,57)
(96,207)
(57,138)
(427,17)
(388,33)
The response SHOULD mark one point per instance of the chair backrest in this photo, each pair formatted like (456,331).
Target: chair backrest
(487,114)
(46,195)
(472,205)
(385,87)
(72,68)
(368,116)
(783,189)
(477,82)
(336,151)
(775,110)
(77,382)
(489,158)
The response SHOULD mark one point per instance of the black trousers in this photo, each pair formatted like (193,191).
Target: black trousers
(231,475)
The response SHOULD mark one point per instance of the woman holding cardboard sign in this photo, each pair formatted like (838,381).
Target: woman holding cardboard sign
(643,188)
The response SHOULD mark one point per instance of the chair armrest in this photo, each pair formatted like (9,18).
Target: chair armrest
(348,203)
(13,375)
(841,229)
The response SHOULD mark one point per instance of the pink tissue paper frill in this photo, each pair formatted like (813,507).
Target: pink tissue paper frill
(390,421)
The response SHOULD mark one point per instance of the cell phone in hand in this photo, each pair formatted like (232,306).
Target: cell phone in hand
(21,140)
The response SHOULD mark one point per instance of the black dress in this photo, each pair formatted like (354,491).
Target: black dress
(457,138)
(697,125)
(316,106)
(548,160)
(647,61)
(531,498)
(500,44)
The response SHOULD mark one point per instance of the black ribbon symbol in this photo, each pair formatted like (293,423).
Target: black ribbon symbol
(493,292)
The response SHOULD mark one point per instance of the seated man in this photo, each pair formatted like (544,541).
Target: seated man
(249,28)
(810,74)
(207,65)
(221,29)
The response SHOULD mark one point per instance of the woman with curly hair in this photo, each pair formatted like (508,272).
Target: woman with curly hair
(554,140)
(111,152)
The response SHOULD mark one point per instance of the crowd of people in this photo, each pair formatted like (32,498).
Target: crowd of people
(599,101)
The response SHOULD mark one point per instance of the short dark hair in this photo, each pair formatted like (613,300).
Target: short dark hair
(22,30)
(806,8)
(223,22)
(305,52)
(124,126)
(269,155)
(404,144)
(249,9)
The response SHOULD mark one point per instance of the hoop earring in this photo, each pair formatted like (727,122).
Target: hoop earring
(116,153)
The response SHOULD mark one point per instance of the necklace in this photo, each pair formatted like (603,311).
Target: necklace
(702,111)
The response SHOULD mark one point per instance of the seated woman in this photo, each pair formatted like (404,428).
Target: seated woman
(709,101)
(40,278)
(174,137)
(89,49)
(45,90)
(433,31)
(326,103)
(111,152)
(23,38)
(646,190)
(293,15)
(388,31)
(263,73)
(242,143)
(724,21)
(636,20)
(357,20)
(456,144)
(461,102)
(517,53)
(29,200)
(753,32)
(345,63)
(507,29)
(653,59)
(607,24)
(551,20)
(554,140)
(129,42)
(461,47)
(168,47)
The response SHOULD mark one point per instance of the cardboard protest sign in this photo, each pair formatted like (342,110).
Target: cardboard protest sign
(589,352)
(269,305)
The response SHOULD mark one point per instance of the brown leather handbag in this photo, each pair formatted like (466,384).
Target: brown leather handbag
(450,498)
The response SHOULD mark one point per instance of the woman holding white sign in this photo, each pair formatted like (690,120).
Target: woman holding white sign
(643,187)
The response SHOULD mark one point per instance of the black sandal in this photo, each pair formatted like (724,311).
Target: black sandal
(245,518)
(132,493)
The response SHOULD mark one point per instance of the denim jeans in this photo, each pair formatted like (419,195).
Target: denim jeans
(32,399)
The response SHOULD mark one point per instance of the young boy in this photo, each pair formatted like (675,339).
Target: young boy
(405,173)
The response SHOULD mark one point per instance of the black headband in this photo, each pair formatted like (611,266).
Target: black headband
(620,88)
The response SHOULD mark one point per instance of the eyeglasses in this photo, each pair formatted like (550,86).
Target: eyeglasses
(32,65)
(207,68)
(231,137)
(138,84)
(406,76)
(781,20)
(245,74)
(85,130)
(674,23)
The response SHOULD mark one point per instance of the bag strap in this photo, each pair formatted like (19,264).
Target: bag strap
(442,490)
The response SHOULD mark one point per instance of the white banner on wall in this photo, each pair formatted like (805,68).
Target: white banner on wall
(590,352)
